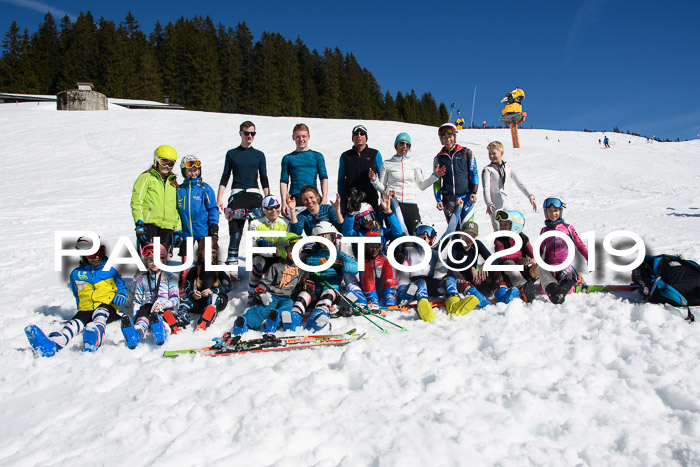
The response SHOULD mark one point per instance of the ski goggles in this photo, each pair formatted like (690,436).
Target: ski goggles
(446,131)
(502,216)
(367,217)
(100,253)
(373,246)
(425,230)
(195,164)
(554,203)
(148,251)
(166,162)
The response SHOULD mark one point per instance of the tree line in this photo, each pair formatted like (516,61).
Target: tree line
(203,67)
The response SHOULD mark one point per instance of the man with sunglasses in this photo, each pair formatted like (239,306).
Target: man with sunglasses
(245,164)
(461,179)
(354,167)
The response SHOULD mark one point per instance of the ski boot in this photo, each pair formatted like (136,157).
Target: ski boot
(157,328)
(240,326)
(131,335)
(318,320)
(425,310)
(528,292)
(290,320)
(272,321)
(506,295)
(92,338)
(207,318)
(475,293)
(176,325)
(557,292)
(464,306)
(42,345)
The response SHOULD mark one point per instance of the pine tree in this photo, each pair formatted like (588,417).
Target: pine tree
(329,85)
(10,76)
(443,113)
(229,68)
(390,111)
(243,41)
(45,54)
(79,51)
(308,70)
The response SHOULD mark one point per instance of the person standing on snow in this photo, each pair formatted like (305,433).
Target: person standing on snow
(300,168)
(402,175)
(245,163)
(354,170)
(154,202)
(606,142)
(496,180)
(461,179)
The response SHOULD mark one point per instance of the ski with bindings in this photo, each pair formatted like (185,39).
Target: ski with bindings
(345,312)
(232,345)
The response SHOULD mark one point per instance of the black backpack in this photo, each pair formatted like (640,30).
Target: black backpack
(669,279)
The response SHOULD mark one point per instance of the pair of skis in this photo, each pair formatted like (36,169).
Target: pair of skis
(233,345)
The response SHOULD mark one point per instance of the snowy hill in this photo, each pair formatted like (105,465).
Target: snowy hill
(597,381)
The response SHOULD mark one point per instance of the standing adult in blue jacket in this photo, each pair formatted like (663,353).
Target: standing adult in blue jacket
(461,179)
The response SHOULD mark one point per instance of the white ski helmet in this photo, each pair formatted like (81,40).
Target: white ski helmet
(324,227)
(190,162)
(446,127)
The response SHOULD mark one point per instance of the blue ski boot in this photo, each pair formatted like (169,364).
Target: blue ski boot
(290,320)
(482,300)
(239,326)
(318,320)
(42,345)
(131,335)
(505,295)
(92,337)
(157,328)
(272,321)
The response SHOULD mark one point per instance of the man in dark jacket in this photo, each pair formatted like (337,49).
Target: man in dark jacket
(353,170)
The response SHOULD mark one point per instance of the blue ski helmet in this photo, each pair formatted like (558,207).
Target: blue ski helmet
(516,219)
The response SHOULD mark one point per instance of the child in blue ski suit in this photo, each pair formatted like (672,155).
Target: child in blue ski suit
(98,296)
(156,293)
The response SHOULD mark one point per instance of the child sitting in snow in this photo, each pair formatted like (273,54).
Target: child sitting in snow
(524,280)
(156,293)
(98,295)
(557,284)
(496,179)
(205,292)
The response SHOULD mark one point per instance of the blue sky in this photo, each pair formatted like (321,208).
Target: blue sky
(590,64)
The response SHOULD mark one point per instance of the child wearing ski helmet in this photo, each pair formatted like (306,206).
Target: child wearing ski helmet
(98,295)
(196,202)
(557,284)
(461,178)
(378,278)
(358,224)
(497,179)
(314,212)
(154,202)
(403,175)
(274,296)
(524,280)
(271,221)
(205,292)
(156,293)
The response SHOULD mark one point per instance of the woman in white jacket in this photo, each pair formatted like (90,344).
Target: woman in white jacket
(402,175)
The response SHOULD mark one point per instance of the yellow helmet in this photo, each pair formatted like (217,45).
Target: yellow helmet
(164,152)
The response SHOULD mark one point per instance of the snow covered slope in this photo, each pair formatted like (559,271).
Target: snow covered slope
(597,381)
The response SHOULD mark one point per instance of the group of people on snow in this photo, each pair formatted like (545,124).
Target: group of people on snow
(376,199)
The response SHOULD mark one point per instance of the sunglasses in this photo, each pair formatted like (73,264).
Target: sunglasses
(554,203)
(446,131)
(373,246)
(166,162)
(249,133)
(270,208)
(193,164)
(404,143)
(360,132)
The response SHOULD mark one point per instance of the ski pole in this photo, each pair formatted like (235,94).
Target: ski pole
(349,302)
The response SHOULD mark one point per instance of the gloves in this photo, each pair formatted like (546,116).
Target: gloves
(214,231)
(119,299)
(178,238)
(141,232)
(355,200)
(308,285)
(263,242)
(261,296)
(337,266)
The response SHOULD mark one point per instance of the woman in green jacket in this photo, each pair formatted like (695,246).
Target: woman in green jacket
(154,202)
